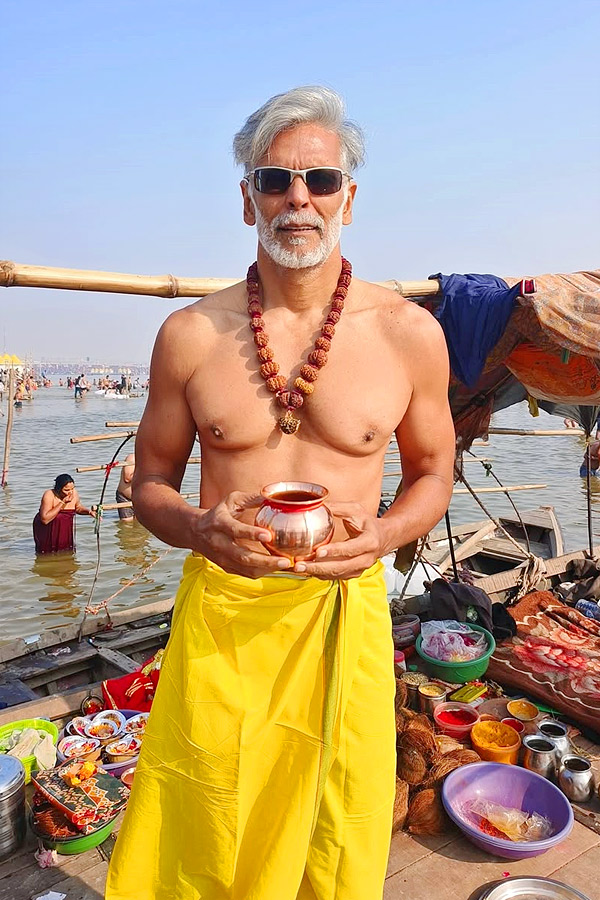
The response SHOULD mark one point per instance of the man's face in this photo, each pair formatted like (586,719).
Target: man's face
(298,229)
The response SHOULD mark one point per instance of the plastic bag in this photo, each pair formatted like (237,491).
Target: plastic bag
(451,641)
(515,824)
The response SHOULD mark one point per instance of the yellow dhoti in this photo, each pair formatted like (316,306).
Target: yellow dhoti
(267,768)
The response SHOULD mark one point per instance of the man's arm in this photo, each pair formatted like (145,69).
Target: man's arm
(426,440)
(164,440)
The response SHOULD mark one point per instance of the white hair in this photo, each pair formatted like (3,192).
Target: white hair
(300,106)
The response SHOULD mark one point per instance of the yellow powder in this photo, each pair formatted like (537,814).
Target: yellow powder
(494,735)
(431,690)
(522,709)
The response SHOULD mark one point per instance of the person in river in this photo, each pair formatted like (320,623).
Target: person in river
(267,770)
(123,492)
(54,523)
(594,460)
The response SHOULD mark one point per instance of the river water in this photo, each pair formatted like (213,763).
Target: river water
(37,593)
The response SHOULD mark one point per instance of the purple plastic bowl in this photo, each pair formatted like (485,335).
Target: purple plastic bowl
(509,786)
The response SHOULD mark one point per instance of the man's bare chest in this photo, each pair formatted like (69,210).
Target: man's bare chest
(359,398)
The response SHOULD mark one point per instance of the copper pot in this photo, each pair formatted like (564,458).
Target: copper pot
(295,514)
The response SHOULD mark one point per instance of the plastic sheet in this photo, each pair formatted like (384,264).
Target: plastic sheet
(451,641)
(514,824)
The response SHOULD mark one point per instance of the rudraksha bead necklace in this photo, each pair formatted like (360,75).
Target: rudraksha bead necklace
(293,398)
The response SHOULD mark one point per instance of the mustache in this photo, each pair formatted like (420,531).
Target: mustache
(287,219)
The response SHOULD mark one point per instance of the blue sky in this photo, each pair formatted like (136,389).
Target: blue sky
(481,121)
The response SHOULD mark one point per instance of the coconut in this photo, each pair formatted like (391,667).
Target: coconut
(463,756)
(426,814)
(400,805)
(411,766)
(401,694)
(418,739)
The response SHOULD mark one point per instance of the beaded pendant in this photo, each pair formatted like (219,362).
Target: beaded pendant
(292,399)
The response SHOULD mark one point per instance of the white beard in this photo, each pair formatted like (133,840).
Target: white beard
(298,258)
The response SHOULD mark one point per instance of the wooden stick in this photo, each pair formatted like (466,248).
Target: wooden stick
(193,460)
(20,275)
(507,489)
(548,432)
(127,504)
(9,423)
(121,425)
(101,437)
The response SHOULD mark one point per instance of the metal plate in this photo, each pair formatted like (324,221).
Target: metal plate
(527,889)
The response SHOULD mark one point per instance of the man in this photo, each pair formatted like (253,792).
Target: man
(123,492)
(267,770)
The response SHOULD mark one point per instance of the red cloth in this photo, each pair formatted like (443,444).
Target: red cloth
(133,691)
(555,657)
(57,535)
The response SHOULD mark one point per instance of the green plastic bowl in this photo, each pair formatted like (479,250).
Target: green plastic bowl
(458,672)
(72,845)
(30,762)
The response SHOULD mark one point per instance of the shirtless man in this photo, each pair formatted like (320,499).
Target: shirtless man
(269,753)
(123,493)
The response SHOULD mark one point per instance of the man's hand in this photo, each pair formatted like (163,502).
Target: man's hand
(219,535)
(348,559)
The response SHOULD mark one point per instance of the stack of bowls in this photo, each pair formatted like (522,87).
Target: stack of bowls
(13,825)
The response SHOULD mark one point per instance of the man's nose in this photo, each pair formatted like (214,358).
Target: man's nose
(297,195)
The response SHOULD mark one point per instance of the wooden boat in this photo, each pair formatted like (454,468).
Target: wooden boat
(485,550)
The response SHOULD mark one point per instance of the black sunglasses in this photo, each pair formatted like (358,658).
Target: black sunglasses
(321,180)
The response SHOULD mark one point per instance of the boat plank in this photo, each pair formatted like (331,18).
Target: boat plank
(56,706)
(117,659)
(459,867)
(53,636)
(32,881)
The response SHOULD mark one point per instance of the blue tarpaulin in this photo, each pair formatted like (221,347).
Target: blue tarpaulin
(473,314)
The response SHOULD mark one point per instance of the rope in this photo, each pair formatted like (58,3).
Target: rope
(535,567)
(99,513)
(94,610)
(489,471)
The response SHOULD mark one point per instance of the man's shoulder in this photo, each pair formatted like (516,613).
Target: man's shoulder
(401,317)
(206,315)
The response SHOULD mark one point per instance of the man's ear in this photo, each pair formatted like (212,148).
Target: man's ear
(249,211)
(348,203)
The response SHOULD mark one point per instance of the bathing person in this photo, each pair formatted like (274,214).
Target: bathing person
(267,770)
(123,492)
(53,525)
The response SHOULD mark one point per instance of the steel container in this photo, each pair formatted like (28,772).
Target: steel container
(428,703)
(13,824)
(576,779)
(539,755)
(557,732)
(297,518)
(528,888)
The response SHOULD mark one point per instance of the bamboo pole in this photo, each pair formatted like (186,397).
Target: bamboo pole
(127,504)
(193,460)
(121,425)
(9,423)
(540,432)
(101,437)
(507,489)
(20,275)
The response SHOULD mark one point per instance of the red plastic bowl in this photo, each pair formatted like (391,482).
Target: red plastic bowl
(459,732)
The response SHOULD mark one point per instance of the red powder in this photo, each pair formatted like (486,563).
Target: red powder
(456,717)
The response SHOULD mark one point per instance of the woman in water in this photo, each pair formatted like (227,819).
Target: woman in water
(53,526)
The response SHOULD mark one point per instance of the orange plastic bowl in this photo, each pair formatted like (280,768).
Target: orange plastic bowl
(508,754)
